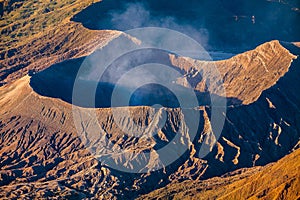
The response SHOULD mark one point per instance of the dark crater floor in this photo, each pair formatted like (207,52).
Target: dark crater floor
(58,81)
(229,25)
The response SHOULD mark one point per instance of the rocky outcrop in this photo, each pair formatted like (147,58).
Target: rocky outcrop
(42,154)
(256,183)
(244,76)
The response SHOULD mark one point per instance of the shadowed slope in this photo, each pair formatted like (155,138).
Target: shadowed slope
(280,180)
(216,24)
(257,69)
(40,147)
(38,34)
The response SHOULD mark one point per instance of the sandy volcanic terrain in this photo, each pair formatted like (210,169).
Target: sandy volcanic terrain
(42,154)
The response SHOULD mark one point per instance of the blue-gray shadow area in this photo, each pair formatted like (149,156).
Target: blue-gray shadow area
(58,81)
(230,25)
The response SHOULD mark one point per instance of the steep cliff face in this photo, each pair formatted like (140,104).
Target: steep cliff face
(37,34)
(244,76)
(36,55)
(34,30)
(40,147)
(255,183)
(264,123)
(43,154)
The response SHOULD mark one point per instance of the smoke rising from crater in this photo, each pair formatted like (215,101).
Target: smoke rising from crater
(137,15)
